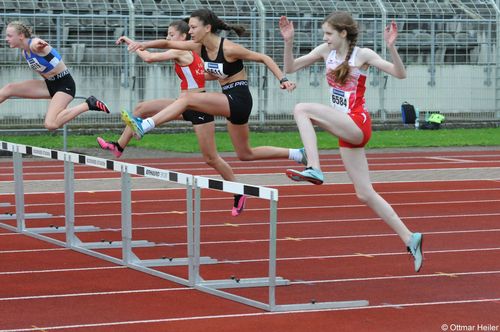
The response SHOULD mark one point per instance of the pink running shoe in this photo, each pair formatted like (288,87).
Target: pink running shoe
(111,146)
(239,204)
(96,105)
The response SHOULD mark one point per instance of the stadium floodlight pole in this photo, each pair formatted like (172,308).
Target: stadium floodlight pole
(497,60)
(262,49)
(131,34)
(381,87)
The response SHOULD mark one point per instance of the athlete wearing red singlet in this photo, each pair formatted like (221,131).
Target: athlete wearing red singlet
(350,97)
(347,117)
(193,75)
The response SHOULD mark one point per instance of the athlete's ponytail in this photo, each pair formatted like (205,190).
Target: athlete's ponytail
(341,21)
(208,17)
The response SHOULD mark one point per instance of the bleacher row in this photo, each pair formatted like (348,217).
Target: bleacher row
(84,27)
(479,8)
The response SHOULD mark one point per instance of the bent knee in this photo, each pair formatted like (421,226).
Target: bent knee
(51,126)
(7,90)
(300,109)
(138,110)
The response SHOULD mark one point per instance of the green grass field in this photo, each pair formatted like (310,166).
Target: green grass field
(186,142)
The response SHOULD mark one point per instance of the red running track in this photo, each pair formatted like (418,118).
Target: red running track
(330,246)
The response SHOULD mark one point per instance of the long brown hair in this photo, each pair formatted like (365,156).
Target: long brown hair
(341,21)
(209,17)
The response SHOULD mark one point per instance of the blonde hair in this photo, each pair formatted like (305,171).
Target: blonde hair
(21,28)
(341,21)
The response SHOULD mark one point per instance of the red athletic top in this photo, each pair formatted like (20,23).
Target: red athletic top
(193,75)
(350,97)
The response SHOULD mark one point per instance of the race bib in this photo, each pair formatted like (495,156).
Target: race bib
(216,69)
(35,65)
(340,100)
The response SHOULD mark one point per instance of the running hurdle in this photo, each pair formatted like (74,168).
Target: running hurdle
(193,219)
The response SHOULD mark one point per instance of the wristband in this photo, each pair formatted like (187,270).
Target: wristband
(283,80)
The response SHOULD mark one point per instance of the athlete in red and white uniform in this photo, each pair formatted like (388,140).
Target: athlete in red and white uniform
(193,75)
(346,118)
(350,97)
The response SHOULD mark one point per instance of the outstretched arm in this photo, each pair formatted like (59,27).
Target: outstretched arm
(163,43)
(149,57)
(291,64)
(239,52)
(396,68)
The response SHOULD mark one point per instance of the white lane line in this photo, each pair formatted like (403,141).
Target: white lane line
(455,160)
(334,237)
(286,238)
(340,206)
(283,196)
(260,260)
(135,291)
(413,276)
(258,314)
(430,252)
(301,282)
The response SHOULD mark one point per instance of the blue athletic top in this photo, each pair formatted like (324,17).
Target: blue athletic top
(42,64)
(220,67)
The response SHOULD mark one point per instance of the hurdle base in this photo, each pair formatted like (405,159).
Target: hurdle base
(42,215)
(319,305)
(172,261)
(242,283)
(113,244)
(62,229)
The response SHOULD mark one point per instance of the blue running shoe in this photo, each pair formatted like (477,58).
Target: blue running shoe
(135,123)
(303,161)
(310,174)
(415,248)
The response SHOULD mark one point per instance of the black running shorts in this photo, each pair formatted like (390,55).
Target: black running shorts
(62,82)
(196,117)
(240,101)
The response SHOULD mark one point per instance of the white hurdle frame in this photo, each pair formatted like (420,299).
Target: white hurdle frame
(271,281)
(193,216)
(72,241)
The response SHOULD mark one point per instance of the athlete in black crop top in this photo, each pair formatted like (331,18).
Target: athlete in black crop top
(58,85)
(224,60)
(220,67)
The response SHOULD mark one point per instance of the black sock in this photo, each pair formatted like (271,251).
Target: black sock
(117,146)
(236,200)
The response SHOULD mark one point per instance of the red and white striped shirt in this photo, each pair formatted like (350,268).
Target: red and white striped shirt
(193,75)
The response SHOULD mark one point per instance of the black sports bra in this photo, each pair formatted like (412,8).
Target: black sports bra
(220,67)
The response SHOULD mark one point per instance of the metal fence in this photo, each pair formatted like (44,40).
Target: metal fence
(449,48)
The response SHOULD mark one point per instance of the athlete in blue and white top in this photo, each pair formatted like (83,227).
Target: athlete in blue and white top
(58,85)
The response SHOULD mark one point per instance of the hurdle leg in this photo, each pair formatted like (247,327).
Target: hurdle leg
(69,202)
(17,160)
(126,206)
(272,251)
